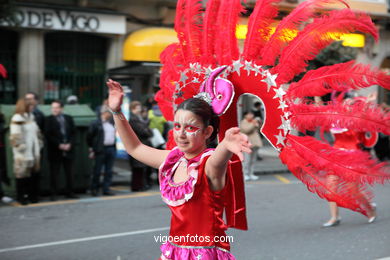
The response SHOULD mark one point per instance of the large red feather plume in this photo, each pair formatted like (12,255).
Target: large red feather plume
(351,165)
(339,77)
(284,31)
(358,116)
(347,195)
(226,47)
(210,30)
(259,28)
(188,23)
(316,36)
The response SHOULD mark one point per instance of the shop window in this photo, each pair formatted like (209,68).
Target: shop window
(75,64)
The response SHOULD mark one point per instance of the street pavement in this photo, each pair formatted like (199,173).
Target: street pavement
(284,223)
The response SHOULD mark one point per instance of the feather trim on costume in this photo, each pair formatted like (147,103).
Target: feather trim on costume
(226,46)
(351,165)
(188,22)
(259,28)
(318,35)
(359,116)
(339,77)
(284,32)
(210,30)
(347,195)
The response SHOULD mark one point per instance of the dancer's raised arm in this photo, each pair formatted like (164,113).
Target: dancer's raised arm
(234,142)
(143,153)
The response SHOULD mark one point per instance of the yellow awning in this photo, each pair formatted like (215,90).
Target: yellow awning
(147,44)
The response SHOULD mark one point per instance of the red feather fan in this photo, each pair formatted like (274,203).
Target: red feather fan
(339,77)
(359,116)
(210,30)
(347,195)
(291,22)
(352,165)
(317,36)
(172,57)
(259,28)
(226,46)
(188,23)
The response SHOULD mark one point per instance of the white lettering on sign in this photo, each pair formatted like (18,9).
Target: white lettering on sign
(66,20)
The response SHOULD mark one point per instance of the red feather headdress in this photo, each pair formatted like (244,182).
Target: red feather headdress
(207,41)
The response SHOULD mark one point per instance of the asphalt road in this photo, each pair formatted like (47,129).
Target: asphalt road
(284,223)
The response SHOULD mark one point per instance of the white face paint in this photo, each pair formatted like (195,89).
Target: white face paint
(187,126)
(189,133)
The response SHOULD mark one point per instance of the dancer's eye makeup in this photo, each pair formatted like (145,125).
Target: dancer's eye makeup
(189,129)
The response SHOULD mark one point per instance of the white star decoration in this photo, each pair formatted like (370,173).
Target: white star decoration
(208,71)
(167,253)
(248,67)
(286,126)
(183,77)
(199,257)
(279,93)
(287,114)
(237,66)
(270,80)
(256,69)
(282,105)
(280,138)
(195,80)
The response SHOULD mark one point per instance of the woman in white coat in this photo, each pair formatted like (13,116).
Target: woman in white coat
(26,141)
(251,127)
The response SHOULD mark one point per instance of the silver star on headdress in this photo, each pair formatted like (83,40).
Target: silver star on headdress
(270,80)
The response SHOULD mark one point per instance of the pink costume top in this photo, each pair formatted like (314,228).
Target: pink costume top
(197,211)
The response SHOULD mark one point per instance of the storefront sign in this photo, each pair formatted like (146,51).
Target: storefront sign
(65,20)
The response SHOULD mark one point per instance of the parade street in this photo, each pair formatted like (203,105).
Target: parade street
(284,223)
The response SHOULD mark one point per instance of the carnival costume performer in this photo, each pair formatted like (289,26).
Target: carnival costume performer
(207,64)
(348,140)
(270,59)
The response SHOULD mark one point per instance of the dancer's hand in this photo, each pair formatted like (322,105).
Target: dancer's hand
(237,142)
(115,97)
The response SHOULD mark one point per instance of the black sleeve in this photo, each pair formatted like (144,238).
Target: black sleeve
(50,133)
(140,129)
(72,130)
(91,133)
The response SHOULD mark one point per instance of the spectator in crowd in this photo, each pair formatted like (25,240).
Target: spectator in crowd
(102,106)
(149,102)
(59,132)
(3,162)
(26,144)
(142,130)
(101,142)
(33,99)
(157,120)
(72,100)
(251,127)
(257,111)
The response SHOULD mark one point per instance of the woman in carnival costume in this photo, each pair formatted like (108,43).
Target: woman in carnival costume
(207,64)
(351,141)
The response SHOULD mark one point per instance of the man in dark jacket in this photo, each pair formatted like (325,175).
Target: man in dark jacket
(59,133)
(33,99)
(101,142)
(139,170)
